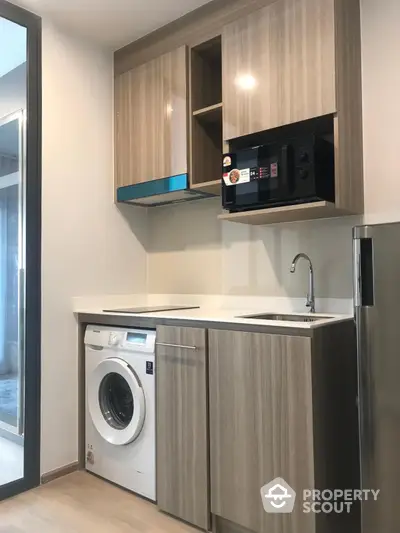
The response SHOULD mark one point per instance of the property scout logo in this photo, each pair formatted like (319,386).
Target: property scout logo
(279,497)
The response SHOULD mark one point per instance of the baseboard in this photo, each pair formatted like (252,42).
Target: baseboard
(59,472)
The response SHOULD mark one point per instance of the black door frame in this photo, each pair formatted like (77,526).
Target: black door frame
(33,249)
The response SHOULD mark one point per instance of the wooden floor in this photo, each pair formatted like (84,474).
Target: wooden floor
(82,503)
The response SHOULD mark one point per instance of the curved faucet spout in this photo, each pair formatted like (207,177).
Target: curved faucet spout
(311,294)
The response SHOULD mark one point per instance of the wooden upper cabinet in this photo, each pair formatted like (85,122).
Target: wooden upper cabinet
(151,120)
(278,66)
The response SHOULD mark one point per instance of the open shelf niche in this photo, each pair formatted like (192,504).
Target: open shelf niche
(206,116)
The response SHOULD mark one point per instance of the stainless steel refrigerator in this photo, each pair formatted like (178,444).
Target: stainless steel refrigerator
(377,311)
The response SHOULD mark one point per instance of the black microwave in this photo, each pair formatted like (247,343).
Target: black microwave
(299,170)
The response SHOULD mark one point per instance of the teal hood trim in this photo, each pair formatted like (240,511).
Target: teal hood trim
(172,190)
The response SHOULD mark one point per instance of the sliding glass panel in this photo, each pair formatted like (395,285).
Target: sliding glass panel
(13,96)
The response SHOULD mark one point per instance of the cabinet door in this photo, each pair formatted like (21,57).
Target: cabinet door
(182,425)
(278,66)
(260,426)
(151,120)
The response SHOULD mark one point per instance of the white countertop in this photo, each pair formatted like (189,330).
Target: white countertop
(220,314)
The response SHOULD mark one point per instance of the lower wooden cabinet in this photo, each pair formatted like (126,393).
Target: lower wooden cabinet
(282,406)
(237,409)
(182,424)
(260,425)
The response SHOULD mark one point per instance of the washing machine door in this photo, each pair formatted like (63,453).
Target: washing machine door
(116,401)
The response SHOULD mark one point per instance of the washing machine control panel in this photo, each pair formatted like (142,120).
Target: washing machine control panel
(114,338)
(130,340)
(139,340)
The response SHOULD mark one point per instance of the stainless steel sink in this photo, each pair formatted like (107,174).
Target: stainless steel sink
(288,318)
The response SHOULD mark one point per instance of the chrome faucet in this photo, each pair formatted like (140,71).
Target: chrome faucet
(310,295)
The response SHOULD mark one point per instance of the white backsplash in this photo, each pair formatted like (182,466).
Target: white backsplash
(192,252)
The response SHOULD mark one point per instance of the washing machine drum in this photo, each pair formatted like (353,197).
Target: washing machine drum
(116,401)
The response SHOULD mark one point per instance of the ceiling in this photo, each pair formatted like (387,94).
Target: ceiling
(113,23)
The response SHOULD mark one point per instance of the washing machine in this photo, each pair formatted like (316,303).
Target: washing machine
(120,407)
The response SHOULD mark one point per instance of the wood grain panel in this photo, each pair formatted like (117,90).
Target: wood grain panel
(210,114)
(206,80)
(212,187)
(286,213)
(81,395)
(192,29)
(335,414)
(151,120)
(207,152)
(224,526)
(278,66)
(182,425)
(260,426)
(206,118)
(348,123)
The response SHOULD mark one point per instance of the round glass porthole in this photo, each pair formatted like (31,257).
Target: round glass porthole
(116,401)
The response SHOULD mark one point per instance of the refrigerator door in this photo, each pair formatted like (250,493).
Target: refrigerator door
(377,311)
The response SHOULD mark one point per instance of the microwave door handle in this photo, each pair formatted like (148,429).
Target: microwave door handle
(285,165)
(287,158)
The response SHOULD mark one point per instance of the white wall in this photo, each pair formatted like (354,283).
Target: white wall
(88,247)
(380,23)
(192,252)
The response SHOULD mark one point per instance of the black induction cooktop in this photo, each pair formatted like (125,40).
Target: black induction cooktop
(151,309)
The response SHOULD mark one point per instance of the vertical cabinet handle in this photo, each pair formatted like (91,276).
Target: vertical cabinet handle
(356,273)
(367,272)
(183,346)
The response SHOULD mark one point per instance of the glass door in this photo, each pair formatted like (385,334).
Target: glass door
(12,193)
(19,270)
(12,267)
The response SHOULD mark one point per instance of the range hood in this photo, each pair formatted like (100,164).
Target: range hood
(172,190)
